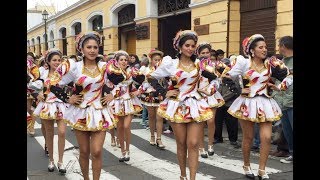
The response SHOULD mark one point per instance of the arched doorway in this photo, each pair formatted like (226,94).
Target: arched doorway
(97,24)
(174,15)
(51,45)
(28,45)
(77,28)
(126,30)
(33,45)
(39,46)
(63,32)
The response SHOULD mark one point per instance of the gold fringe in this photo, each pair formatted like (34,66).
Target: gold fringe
(239,115)
(204,116)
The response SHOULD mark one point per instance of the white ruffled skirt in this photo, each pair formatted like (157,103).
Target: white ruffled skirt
(215,100)
(50,111)
(124,107)
(189,110)
(257,109)
(89,119)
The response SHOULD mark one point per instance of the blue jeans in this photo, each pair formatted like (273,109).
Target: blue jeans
(256,138)
(144,115)
(287,127)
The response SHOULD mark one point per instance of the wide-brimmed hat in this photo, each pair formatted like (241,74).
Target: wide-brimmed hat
(155,51)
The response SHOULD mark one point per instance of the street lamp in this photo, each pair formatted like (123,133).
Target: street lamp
(45,18)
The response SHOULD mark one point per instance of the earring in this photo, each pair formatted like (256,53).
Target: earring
(180,51)
(252,53)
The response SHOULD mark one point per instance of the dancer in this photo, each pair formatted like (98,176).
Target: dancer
(209,91)
(255,104)
(183,105)
(34,85)
(125,102)
(50,109)
(151,99)
(86,114)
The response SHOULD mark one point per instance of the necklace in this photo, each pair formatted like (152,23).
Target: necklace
(187,67)
(92,71)
(257,68)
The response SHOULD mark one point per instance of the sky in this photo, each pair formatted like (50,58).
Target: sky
(59,4)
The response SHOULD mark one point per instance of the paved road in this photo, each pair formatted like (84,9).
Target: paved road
(147,162)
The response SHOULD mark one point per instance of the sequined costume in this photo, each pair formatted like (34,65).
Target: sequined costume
(34,85)
(124,103)
(90,115)
(258,105)
(213,96)
(149,95)
(188,106)
(52,107)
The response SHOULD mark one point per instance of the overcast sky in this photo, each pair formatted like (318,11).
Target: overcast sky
(59,4)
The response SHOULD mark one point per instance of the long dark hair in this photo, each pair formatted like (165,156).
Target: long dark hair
(182,41)
(137,61)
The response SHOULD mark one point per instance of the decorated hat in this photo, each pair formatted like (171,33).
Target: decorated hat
(155,51)
(83,36)
(121,53)
(49,52)
(246,43)
(180,34)
(203,44)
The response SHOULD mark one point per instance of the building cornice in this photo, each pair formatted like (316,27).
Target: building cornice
(203,3)
(53,17)
(145,18)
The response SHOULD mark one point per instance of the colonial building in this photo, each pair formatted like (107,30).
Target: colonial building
(139,25)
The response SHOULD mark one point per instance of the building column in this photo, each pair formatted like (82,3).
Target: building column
(209,20)
(234,28)
(147,35)
(71,46)
(58,44)
(111,43)
(43,48)
(284,20)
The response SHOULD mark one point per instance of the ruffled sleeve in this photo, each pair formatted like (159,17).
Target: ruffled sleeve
(114,73)
(64,74)
(280,72)
(34,81)
(137,75)
(239,67)
(165,69)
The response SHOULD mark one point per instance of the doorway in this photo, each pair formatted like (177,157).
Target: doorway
(168,28)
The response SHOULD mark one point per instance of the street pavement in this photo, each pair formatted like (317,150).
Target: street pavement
(146,162)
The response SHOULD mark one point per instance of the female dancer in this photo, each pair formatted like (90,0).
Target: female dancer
(184,106)
(125,102)
(50,109)
(209,91)
(255,105)
(151,100)
(85,114)
(34,85)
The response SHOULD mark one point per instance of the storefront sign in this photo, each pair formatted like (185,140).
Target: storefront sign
(143,31)
(202,29)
